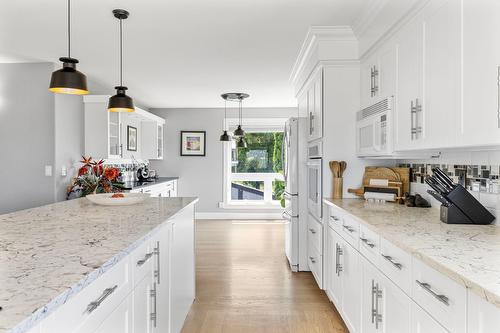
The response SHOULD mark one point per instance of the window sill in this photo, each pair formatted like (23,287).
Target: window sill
(251,205)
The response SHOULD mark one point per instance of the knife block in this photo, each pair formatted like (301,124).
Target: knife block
(337,188)
(469,206)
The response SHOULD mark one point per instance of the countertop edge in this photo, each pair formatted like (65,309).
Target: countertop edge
(43,312)
(487,295)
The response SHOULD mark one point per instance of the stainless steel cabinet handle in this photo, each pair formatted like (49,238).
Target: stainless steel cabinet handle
(375,77)
(312,230)
(348,228)
(427,287)
(153,315)
(336,258)
(374,312)
(413,113)
(391,260)
(313,260)
(367,242)
(339,265)
(335,218)
(95,304)
(146,258)
(156,252)
(378,316)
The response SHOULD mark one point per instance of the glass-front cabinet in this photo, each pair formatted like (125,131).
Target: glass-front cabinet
(115,146)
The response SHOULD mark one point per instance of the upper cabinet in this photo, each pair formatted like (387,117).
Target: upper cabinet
(480,118)
(378,75)
(112,135)
(311,100)
(442,66)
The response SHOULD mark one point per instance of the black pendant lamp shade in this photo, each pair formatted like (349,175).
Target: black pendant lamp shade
(68,80)
(121,102)
(239,132)
(225,137)
(241,143)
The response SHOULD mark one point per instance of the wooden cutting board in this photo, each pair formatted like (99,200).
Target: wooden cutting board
(393,175)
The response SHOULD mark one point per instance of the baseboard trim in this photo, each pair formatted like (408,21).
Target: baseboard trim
(236,216)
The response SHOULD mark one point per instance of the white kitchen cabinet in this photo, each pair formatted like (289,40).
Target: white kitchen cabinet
(115,146)
(480,119)
(144,308)
(314,92)
(344,279)
(165,190)
(409,115)
(152,140)
(119,320)
(378,75)
(182,268)
(385,308)
(422,322)
(441,20)
(482,316)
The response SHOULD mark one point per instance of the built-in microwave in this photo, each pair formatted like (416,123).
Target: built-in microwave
(374,129)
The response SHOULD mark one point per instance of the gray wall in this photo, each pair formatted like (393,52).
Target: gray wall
(26,135)
(202,176)
(68,140)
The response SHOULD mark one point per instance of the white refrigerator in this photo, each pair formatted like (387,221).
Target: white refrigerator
(295,214)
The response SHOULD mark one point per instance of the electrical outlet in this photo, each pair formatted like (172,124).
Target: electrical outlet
(48,170)
(64,171)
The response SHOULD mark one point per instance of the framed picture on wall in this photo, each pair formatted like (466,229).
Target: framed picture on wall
(193,143)
(131,138)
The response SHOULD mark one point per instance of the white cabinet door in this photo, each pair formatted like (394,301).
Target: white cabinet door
(387,71)
(315,107)
(350,274)
(143,305)
(119,321)
(482,316)
(442,73)
(366,82)
(480,121)
(422,322)
(162,278)
(115,147)
(310,113)
(159,139)
(409,125)
(333,281)
(385,307)
(182,268)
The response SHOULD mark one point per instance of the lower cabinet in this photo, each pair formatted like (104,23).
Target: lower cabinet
(422,322)
(149,291)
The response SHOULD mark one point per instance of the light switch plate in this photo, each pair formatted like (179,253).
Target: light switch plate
(48,170)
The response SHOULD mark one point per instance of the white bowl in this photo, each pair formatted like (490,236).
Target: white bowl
(105,199)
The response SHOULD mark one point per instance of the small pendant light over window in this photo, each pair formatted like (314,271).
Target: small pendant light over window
(241,143)
(68,80)
(121,102)
(225,137)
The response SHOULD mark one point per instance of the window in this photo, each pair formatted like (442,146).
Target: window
(254,175)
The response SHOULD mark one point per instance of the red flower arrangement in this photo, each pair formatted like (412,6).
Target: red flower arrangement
(94,177)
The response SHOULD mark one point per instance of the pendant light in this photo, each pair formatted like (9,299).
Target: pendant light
(68,80)
(241,143)
(225,137)
(239,132)
(121,102)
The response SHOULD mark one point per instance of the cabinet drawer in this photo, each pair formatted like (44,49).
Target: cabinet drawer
(369,244)
(315,260)
(141,261)
(395,264)
(92,305)
(440,296)
(315,234)
(335,219)
(350,231)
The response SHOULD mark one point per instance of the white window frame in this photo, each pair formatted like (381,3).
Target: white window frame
(250,125)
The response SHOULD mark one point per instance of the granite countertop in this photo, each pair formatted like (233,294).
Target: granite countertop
(468,254)
(138,184)
(50,253)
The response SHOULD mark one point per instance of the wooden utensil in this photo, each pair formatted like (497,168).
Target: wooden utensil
(343,166)
(335,168)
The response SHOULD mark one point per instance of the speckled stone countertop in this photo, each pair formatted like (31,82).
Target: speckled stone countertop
(468,254)
(48,254)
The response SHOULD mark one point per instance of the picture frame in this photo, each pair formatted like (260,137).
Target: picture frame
(193,143)
(131,138)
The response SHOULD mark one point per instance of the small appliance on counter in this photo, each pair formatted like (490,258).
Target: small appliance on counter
(458,206)
(142,173)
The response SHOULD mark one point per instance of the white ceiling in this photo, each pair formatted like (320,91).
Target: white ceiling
(178,53)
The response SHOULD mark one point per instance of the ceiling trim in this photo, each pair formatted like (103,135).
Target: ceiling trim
(367,16)
(314,36)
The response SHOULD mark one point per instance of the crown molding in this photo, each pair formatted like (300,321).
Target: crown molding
(314,36)
(367,16)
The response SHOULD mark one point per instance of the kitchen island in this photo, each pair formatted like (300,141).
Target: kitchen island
(69,266)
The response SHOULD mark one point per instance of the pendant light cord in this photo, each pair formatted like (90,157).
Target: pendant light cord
(121,53)
(69,28)
(225,114)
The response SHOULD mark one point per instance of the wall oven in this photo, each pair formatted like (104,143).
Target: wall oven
(315,180)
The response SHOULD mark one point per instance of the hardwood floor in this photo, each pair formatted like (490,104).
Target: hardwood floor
(244,283)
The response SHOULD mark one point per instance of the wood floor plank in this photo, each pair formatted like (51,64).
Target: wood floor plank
(244,284)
